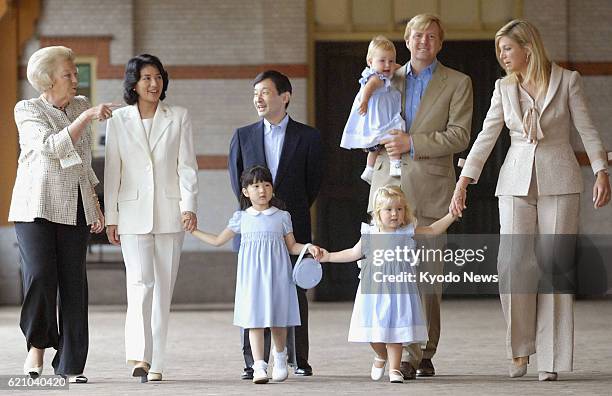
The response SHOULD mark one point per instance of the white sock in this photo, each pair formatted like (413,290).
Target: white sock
(367,174)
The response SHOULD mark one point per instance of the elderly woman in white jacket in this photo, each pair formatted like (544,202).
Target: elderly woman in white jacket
(150,191)
(54,208)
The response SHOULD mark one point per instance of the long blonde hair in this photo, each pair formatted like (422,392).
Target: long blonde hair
(538,63)
(389,193)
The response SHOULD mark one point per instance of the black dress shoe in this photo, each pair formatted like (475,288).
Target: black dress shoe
(407,370)
(247,374)
(303,372)
(426,369)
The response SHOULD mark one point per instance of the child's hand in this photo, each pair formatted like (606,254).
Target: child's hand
(315,251)
(189,220)
(324,256)
(455,217)
(363,108)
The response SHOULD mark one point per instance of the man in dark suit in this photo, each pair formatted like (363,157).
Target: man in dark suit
(292,152)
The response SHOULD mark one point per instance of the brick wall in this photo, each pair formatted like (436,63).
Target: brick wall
(580,31)
(222,32)
(91,18)
(550,17)
(590,31)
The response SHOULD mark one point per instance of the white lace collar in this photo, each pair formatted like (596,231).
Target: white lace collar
(270,211)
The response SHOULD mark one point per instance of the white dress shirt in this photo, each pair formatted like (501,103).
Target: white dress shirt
(274,136)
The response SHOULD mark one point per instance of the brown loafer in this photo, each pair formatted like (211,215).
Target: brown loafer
(407,371)
(426,369)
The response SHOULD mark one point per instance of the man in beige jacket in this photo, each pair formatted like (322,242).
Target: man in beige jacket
(437,107)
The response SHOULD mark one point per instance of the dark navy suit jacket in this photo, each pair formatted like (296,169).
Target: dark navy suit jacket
(298,178)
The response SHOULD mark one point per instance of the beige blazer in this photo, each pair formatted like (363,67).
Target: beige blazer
(556,168)
(441,128)
(51,169)
(149,182)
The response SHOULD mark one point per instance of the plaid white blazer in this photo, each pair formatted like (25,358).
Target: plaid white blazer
(50,168)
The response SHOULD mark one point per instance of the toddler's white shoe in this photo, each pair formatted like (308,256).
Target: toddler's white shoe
(395,168)
(396,376)
(279,371)
(377,372)
(367,174)
(260,372)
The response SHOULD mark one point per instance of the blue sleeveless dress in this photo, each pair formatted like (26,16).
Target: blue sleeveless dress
(389,313)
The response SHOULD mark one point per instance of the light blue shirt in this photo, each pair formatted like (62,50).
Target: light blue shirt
(274,136)
(415,88)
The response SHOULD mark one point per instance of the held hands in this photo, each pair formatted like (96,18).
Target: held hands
(316,252)
(601,190)
(397,144)
(189,220)
(459,199)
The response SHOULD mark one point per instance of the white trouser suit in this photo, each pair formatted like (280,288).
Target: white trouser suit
(149,179)
(151,265)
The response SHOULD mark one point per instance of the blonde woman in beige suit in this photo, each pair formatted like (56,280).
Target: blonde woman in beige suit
(539,190)
(437,106)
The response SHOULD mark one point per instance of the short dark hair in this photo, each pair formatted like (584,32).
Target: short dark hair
(253,175)
(281,82)
(132,76)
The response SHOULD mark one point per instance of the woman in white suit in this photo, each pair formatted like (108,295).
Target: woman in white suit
(150,191)
(539,190)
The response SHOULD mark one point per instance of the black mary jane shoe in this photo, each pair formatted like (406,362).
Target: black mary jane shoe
(303,372)
(247,374)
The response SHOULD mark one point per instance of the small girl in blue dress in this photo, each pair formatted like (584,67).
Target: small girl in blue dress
(387,312)
(377,107)
(266,296)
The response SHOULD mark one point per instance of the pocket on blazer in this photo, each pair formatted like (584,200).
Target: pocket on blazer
(172,193)
(127,195)
(438,170)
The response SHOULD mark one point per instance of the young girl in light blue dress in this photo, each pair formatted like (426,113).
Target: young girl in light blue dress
(266,296)
(377,107)
(387,313)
